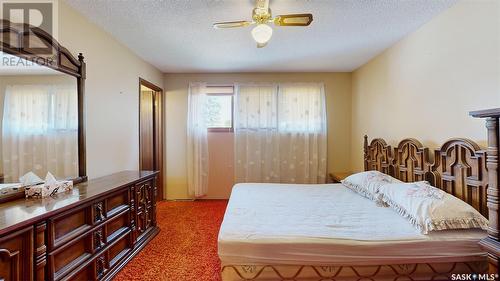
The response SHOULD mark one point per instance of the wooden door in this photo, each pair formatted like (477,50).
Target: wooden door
(151,131)
(147,130)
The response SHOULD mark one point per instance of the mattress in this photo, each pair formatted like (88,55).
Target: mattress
(329,224)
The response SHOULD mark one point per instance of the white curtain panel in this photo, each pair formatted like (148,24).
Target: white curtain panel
(256,133)
(197,143)
(280,133)
(39,131)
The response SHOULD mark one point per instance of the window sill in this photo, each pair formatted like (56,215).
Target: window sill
(220,130)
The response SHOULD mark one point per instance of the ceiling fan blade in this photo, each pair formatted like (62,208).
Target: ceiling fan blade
(294,20)
(230,24)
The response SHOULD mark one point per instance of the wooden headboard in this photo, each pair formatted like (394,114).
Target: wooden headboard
(458,166)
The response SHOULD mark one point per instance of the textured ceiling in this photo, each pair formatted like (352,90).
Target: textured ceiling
(177,35)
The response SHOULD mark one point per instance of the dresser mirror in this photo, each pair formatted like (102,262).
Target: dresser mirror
(41,110)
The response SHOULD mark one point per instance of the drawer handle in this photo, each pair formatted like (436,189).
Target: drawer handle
(99,211)
(98,239)
(101,266)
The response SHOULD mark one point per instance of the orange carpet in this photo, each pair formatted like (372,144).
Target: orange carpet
(185,248)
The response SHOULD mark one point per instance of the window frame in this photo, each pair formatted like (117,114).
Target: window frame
(224,129)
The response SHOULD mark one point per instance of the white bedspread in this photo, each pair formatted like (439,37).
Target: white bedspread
(326,224)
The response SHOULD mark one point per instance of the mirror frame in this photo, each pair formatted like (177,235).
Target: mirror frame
(65,62)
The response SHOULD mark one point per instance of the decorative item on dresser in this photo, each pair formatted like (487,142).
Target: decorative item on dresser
(89,233)
(492,243)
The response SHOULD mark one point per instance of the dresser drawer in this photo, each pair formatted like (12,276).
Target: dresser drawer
(111,229)
(104,261)
(84,274)
(68,225)
(16,255)
(118,225)
(110,205)
(120,248)
(66,258)
(117,202)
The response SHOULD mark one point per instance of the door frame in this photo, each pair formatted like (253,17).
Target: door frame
(159,140)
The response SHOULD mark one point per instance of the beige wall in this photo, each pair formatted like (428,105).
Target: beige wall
(338,92)
(424,86)
(112,95)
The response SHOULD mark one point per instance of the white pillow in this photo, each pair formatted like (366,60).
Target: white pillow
(429,208)
(368,183)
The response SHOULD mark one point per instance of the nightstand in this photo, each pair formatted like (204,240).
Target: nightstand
(336,177)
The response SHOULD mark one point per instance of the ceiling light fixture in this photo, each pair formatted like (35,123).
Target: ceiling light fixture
(261,16)
(262,34)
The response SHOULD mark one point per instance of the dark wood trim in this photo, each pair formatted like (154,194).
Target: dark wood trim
(82,138)
(159,139)
(409,162)
(493,112)
(40,258)
(491,244)
(94,186)
(63,61)
(85,234)
(13,196)
(148,84)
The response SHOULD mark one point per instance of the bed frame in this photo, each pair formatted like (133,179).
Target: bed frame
(458,167)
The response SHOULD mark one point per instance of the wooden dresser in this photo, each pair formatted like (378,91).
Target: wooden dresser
(89,233)
(491,244)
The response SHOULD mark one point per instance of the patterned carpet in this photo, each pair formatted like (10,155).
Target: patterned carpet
(185,248)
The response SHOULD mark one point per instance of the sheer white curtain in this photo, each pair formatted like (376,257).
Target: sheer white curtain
(256,133)
(302,127)
(197,143)
(39,131)
(280,133)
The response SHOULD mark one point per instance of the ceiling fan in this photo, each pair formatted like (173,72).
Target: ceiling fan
(261,16)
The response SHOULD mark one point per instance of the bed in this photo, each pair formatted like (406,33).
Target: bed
(328,232)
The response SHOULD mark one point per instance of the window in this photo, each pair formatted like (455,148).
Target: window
(301,107)
(220,109)
(30,109)
(40,130)
(286,107)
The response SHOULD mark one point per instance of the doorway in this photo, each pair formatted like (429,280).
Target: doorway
(151,131)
